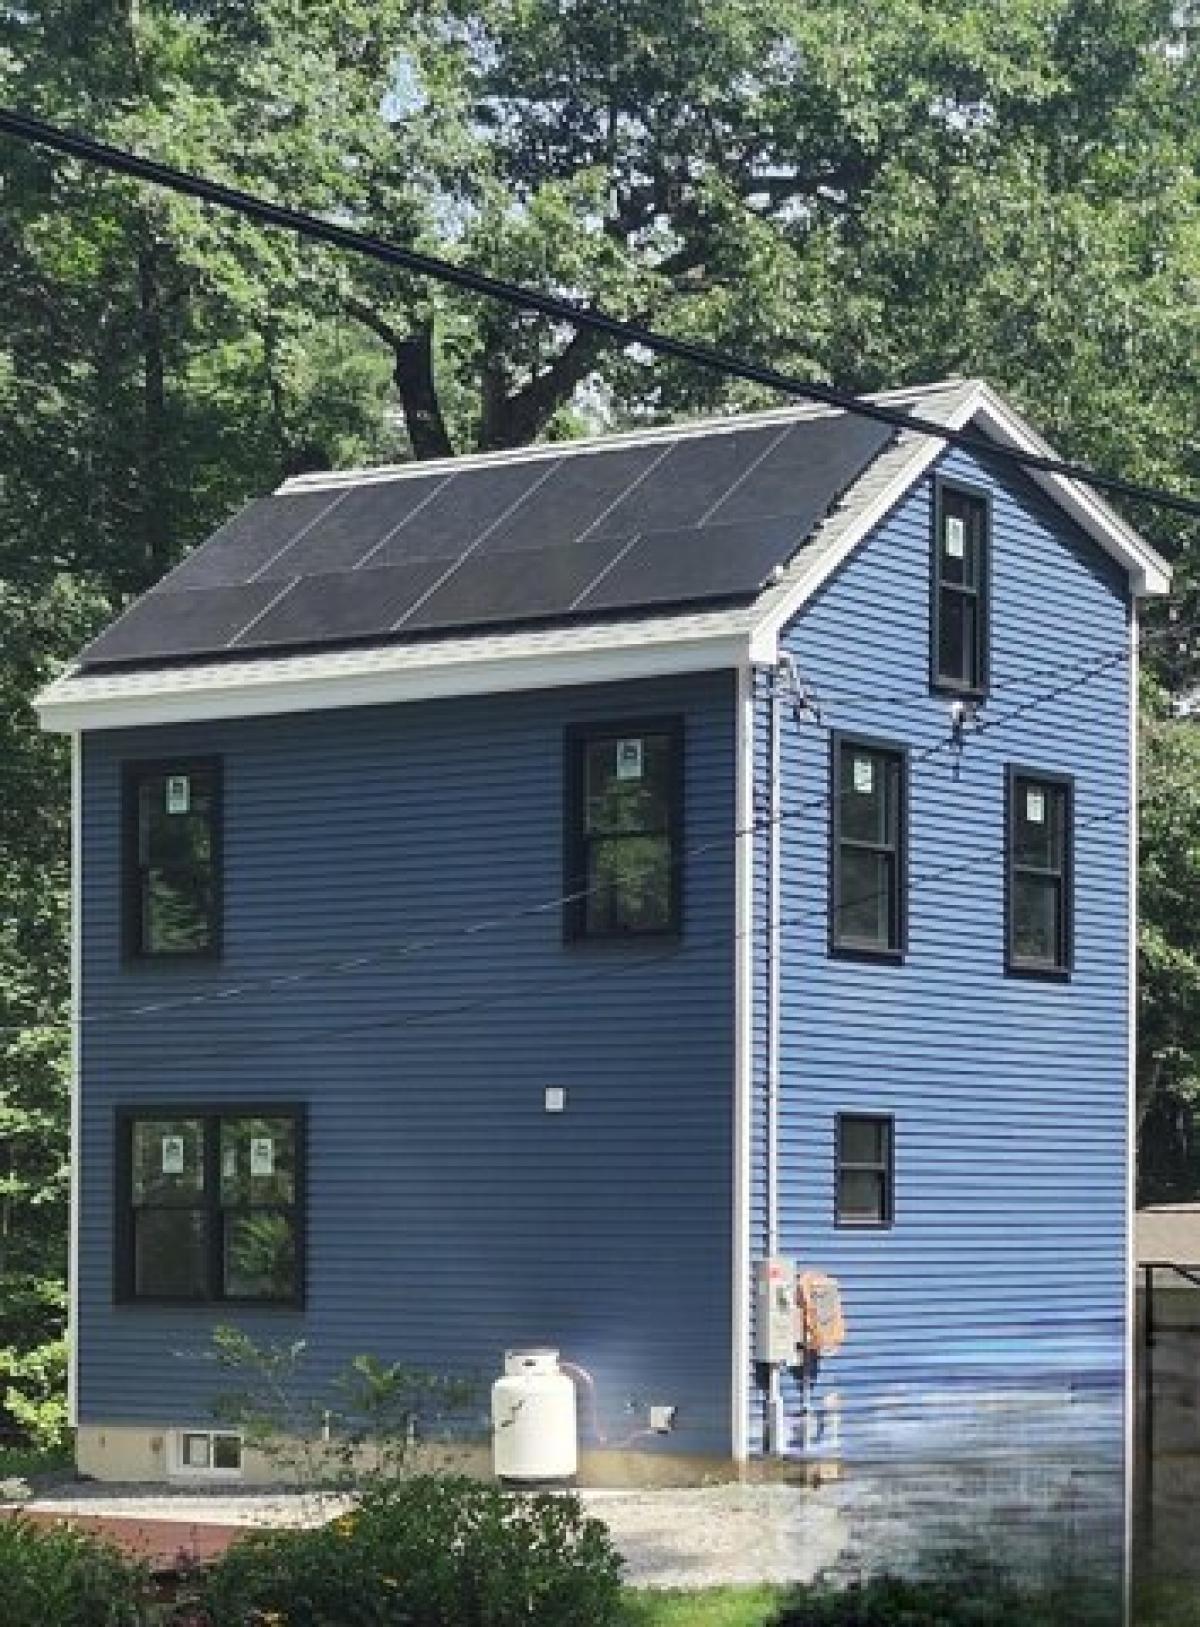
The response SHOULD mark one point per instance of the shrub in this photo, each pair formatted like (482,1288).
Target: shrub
(427,1552)
(970,1599)
(51,1574)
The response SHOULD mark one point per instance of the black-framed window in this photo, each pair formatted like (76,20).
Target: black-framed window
(210,1205)
(1040,865)
(869,840)
(959,607)
(865,1173)
(172,860)
(624,813)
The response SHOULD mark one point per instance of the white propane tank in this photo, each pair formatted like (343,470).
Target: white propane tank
(533,1419)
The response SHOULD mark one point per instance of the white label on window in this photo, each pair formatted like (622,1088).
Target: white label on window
(229,1163)
(262,1155)
(956,536)
(179,793)
(172,1155)
(1035,807)
(629,759)
(864,775)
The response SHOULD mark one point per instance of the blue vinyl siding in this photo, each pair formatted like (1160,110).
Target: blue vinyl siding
(1000,1287)
(449,1215)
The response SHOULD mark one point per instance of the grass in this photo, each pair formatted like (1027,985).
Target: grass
(706,1607)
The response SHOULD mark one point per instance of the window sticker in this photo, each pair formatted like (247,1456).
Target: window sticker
(864,776)
(172,1155)
(229,1163)
(179,794)
(629,759)
(956,536)
(1035,806)
(262,1155)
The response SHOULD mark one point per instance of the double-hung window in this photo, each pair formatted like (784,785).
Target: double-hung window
(1040,862)
(210,1205)
(868,860)
(865,1176)
(172,882)
(959,606)
(624,806)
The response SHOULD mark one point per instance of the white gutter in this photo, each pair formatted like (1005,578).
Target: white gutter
(775,1391)
(270,688)
(743,1045)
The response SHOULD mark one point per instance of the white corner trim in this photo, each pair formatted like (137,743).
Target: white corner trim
(270,688)
(743,962)
(75,1144)
(1130,1341)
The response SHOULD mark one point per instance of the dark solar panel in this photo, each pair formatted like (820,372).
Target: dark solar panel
(695,474)
(460,510)
(806,471)
(249,540)
(518,584)
(350,532)
(675,567)
(575,501)
(343,605)
(194,621)
(704,517)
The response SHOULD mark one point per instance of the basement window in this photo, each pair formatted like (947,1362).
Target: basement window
(171,880)
(1040,878)
(624,814)
(207,1453)
(868,840)
(865,1177)
(959,605)
(210,1206)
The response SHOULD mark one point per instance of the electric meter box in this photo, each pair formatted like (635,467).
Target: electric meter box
(775,1311)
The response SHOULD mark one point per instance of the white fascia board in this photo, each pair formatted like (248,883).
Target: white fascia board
(273,687)
(1149,574)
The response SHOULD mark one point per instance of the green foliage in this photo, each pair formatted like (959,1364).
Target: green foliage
(1169,1018)
(958,1600)
(429,1552)
(50,1574)
(373,1423)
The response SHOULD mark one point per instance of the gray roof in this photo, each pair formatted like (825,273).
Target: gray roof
(621,526)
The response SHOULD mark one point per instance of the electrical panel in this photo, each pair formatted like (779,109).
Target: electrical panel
(775,1311)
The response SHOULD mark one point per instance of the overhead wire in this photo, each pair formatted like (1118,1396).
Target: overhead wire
(118,160)
(410,948)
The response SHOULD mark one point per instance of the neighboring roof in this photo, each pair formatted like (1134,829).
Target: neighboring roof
(779,500)
(1168,1233)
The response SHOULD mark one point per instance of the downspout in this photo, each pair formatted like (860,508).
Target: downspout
(775,1410)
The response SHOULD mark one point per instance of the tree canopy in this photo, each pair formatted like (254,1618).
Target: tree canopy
(869,193)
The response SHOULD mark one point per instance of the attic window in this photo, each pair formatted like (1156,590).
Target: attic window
(172,859)
(959,605)
(624,825)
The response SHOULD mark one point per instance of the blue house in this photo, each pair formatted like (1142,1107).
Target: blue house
(520,900)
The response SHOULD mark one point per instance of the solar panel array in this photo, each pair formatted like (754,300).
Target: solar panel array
(621,528)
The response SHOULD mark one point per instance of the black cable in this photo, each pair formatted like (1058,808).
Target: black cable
(25,127)
(411,947)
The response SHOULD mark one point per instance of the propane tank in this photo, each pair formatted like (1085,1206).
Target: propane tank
(534,1437)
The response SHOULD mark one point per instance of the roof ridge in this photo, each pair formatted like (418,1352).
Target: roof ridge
(688,429)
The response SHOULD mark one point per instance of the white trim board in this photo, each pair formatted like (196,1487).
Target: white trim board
(566,655)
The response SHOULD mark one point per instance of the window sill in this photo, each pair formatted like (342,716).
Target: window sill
(1038,974)
(960,692)
(862,952)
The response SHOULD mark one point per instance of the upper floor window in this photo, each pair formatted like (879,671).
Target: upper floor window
(624,828)
(210,1205)
(172,858)
(1040,909)
(868,882)
(959,632)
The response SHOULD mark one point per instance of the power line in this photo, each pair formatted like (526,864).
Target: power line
(410,948)
(25,127)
